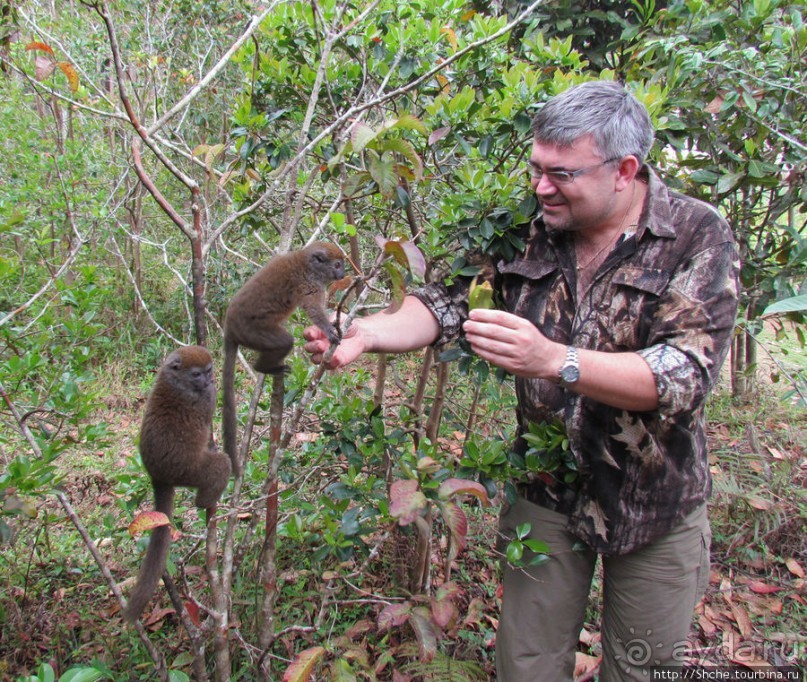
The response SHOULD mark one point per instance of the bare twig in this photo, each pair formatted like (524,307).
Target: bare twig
(162,202)
(139,296)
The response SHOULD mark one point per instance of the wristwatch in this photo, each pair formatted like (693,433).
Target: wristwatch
(569,371)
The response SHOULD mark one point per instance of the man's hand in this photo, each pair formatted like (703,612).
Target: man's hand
(622,380)
(513,343)
(410,327)
(350,347)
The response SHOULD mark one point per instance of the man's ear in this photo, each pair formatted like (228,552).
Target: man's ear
(627,169)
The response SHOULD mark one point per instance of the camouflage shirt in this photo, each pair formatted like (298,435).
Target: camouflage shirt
(668,292)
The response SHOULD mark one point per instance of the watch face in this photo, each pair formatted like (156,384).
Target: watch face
(570,374)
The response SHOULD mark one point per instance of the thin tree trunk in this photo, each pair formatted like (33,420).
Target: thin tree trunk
(198,268)
(420,393)
(436,412)
(740,383)
(380,379)
(268,559)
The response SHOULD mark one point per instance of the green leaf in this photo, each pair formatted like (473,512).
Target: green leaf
(81,675)
(341,671)
(361,135)
(410,122)
(729,181)
(538,560)
(382,170)
(402,197)
(794,304)
(357,182)
(480,295)
(704,177)
(514,552)
(45,673)
(16,218)
(405,149)
(760,169)
(537,546)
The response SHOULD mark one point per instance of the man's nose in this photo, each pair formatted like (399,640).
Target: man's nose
(543,185)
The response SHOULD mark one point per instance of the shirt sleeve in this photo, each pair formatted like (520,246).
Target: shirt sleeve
(449,307)
(693,328)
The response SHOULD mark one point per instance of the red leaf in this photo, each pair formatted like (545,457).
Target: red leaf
(458,486)
(457,524)
(439,134)
(425,633)
(428,465)
(70,72)
(361,135)
(394,615)
(444,610)
(794,567)
(763,588)
(714,106)
(193,612)
(302,667)
(449,590)
(585,664)
(154,620)
(414,258)
(406,501)
(35,45)
(43,67)
(148,521)
(406,254)
(444,613)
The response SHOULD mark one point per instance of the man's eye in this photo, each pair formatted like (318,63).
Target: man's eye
(560,176)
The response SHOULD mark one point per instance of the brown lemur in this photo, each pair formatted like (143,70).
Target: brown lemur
(258,311)
(176,449)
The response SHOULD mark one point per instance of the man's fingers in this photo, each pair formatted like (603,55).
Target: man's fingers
(499,317)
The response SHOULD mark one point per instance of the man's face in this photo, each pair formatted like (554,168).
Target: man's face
(585,203)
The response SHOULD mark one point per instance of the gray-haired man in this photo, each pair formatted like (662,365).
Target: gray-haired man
(616,319)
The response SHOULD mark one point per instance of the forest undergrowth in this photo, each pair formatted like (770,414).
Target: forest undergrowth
(56,608)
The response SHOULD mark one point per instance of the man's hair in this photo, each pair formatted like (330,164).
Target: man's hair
(616,120)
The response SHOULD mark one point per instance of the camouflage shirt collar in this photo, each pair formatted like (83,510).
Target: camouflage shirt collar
(656,216)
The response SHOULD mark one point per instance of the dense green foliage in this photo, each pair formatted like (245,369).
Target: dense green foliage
(146,168)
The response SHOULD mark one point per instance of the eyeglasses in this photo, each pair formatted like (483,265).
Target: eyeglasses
(563,177)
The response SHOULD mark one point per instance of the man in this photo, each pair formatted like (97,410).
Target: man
(616,319)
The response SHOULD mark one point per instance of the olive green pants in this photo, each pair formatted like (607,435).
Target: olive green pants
(648,600)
